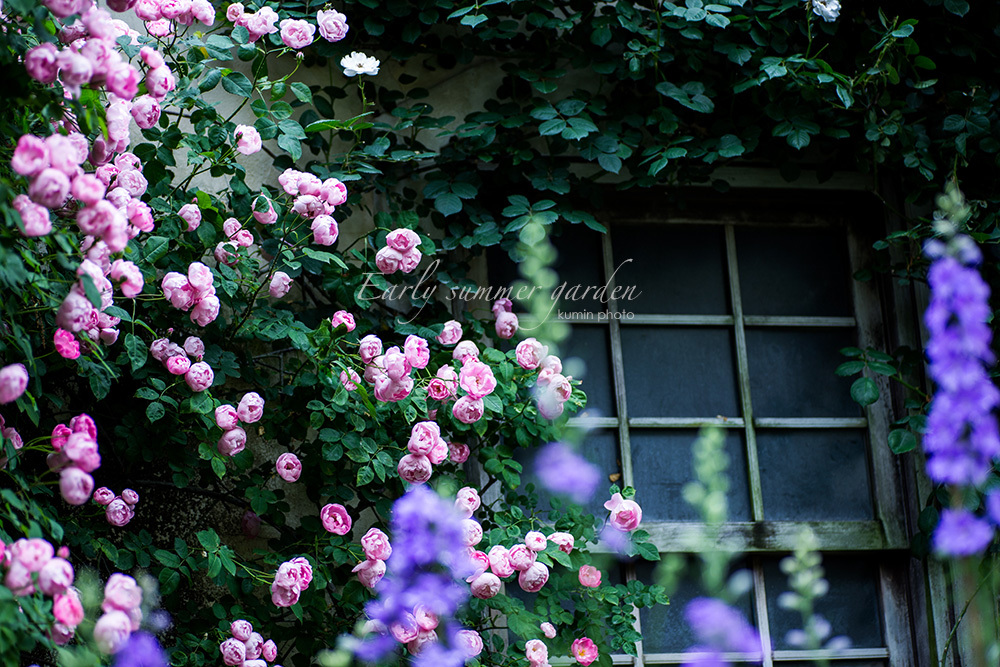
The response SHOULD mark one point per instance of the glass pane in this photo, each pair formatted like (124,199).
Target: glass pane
(851,606)
(679,269)
(664,629)
(579,264)
(814,475)
(588,357)
(661,464)
(792,373)
(680,372)
(793,271)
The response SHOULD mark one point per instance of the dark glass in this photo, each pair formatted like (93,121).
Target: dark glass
(661,464)
(793,271)
(851,606)
(587,356)
(679,269)
(792,372)
(814,475)
(664,629)
(680,372)
(580,264)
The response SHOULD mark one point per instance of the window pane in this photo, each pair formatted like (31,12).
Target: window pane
(679,269)
(661,464)
(680,372)
(580,261)
(664,629)
(587,356)
(851,606)
(793,271)
(792,373)
(814,475)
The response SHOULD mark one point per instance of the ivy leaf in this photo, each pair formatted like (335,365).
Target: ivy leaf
(864,391)
(902,440)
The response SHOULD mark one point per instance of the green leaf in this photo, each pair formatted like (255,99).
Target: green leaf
(136,351)
(202,403)
(155,411)
(731,146)
(90,289)
(864,391)
(154,248)
(472,20)
(301,92)
(902,440)
(365,475)
(850,368)
(957,7)
(210,80)
(237,83)
(647,551)
(448,203)
(208,539)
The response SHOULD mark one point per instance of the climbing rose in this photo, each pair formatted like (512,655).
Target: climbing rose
(584,650)
(332,25)
(335,519)
(289,467)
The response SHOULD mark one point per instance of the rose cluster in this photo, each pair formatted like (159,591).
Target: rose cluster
(426,448)
(10,433)
(290,580)
(76,313)
(295,33)
(400,252)
(228,418)
(390,372)
(118,510)
(194,292)
(122,613)
(161,15)
(75,457)
(506,320)
(418,630)
(377,549)
(552,388)
(313,200)
(34,564)
(246,648)
(502,562)
(177,360)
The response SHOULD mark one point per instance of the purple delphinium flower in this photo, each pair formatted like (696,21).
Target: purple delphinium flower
(961,533)
(561,470)
(721,628)
(142,650)
(428,556)
(961,437)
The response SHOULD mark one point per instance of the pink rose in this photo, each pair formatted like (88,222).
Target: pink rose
(467,501)
(410,260)
(535,541)
(34,216)
(160,80)
(66,344)
(18,580)
(40,61)
(388,390)
(308,206)
(296,33)
(75,486)
(136,184)
(50,188)
(468,410)
(500,561)
(283,596)
(122,80)
(533,579)
(589,576)
(140,215)
(191,215)
(414,468)
(440,451)
(472,532)
(67,608)
(234,12)
(248,140)
(269,651)
(251,408)
(203,12)
(564,541)
(118,513)
(451,333)
(333,192)
(376,545)
(458,452)
(506,325)
(548,630)
(486,586)
(289,467)
(194,347)
(32,553)
(226,417)
(255,645)
(121,592)
(626,516)
(332,25)
(232,442)
(31,155)
(584,650)
(395,363)
(351,381)
(370,347)
(417,351)
(112,631)
(335,519)
(370,572)
(402,240)
(233,651)
(225,253)
(263,211)
(103,496)
(281,283)
(199,377)
(325,230)
(464,351)
(205,311)
(13,382)
(552,364)
(386,259)
(530,353)
(130,275)
(536,652)
(345,319)
(423,436)
(440,390)
(178,365)
(477,379)
(469,642)
(521,557)
(130,497)
(241,629)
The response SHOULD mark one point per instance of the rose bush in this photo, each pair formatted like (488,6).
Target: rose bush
(219,349)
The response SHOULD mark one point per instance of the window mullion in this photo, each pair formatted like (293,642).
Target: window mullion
(618,367)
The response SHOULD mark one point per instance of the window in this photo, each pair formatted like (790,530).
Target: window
(741,316)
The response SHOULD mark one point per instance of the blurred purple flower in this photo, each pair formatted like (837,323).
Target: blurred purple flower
(561,470)
(961,533)
(142,650)
(721,628)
